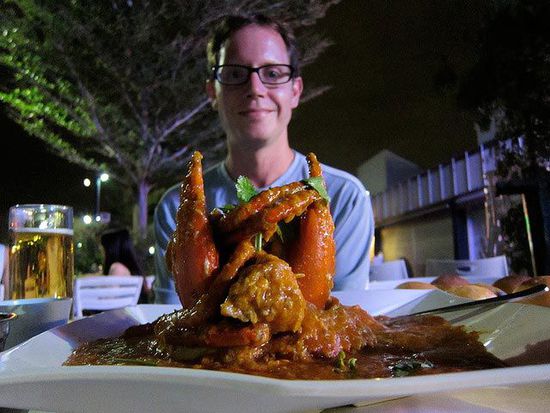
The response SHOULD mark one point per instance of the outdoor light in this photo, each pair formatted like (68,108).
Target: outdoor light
(87,219)
(100,177)
(78,245)
(151,250)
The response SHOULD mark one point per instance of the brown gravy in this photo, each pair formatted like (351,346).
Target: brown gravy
(406,346)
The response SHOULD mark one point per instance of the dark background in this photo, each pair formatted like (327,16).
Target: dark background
(393,68)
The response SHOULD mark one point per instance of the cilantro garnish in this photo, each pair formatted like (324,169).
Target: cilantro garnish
(245,189)
(318,183)
(258,241)
(342,365)
(408,367)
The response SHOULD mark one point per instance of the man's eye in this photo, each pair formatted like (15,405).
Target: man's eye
(274,74)
(235,73)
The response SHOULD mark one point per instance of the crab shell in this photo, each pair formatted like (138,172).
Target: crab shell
(193,255)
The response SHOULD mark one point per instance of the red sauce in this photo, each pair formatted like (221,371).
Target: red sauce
(405,346)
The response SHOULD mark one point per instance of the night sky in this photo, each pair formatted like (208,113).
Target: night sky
(383,70)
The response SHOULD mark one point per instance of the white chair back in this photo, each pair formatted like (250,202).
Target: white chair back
(2,292)
(388,270)
(105,292)
(484,267)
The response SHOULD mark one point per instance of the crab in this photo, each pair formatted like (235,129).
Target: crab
(193,256)
(237,292)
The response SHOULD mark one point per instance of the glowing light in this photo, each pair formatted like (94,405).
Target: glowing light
(87,219)
(104,177)
(151,250)
(87,182)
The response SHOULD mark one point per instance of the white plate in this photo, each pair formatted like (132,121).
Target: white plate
(32,377)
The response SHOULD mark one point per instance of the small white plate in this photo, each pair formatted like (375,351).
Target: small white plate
(32,375)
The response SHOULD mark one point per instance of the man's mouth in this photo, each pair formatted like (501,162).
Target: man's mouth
(256,112)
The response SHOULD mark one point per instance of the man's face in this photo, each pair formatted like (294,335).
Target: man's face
(253,113)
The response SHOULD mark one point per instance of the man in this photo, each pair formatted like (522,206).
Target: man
(254,85)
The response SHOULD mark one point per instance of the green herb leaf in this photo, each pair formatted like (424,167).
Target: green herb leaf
(318,183)
(341,360)
(245,189)
(258,241)
(227,208)
(408,367)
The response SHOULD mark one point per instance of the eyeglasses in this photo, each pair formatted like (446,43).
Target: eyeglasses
(238,75)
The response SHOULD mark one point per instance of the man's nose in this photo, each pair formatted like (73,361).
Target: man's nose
(255,85)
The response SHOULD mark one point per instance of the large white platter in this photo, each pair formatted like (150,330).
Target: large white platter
(32,375)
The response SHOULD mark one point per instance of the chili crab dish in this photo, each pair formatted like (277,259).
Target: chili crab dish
(254,281)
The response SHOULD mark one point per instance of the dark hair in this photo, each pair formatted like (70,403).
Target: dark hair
(230,24)
(118,247)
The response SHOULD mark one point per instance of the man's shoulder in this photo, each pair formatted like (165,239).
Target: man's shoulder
(214,174)
(339,180)
(210,175)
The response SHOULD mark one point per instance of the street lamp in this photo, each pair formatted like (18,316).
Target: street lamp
(101,177)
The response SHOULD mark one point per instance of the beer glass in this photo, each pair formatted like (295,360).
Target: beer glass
(40,251)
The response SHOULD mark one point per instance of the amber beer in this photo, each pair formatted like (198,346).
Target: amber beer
(41,251)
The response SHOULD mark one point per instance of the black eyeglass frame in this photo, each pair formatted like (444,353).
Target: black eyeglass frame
(215,73)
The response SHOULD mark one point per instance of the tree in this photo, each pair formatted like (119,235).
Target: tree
(119,84)
(510,83)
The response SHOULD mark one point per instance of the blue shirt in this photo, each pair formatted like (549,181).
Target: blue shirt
(350,207)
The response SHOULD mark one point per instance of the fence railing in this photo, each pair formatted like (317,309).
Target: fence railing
(461,176)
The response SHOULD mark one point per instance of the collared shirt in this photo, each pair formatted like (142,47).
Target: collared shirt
(350,207)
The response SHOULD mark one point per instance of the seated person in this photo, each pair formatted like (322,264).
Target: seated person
(121,257)
(255,111)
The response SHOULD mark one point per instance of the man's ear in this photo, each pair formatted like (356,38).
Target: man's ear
(211,93)
(297,88)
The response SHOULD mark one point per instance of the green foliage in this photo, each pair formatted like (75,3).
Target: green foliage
(142,250)
(510,81)
(516,244)
(118,85)
(87,246)
(510,85)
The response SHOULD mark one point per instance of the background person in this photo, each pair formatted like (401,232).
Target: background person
(121,257)
(254,84)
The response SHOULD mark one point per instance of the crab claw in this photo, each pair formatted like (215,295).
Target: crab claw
(191,254)
(313,252)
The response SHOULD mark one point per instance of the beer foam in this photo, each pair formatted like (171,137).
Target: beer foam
(60,231)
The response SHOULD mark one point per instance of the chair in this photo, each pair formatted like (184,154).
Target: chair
(496,267)
(389,270)
(1,292)
(105,292)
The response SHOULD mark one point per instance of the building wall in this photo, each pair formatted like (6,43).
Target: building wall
(384,170)
(418,240)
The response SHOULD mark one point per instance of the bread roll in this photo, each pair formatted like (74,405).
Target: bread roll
(447,281)
(475,292)
(494,289)
(417,285)
(542,299)
(509,283)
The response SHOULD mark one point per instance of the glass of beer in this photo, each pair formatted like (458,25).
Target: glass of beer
(41,251)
